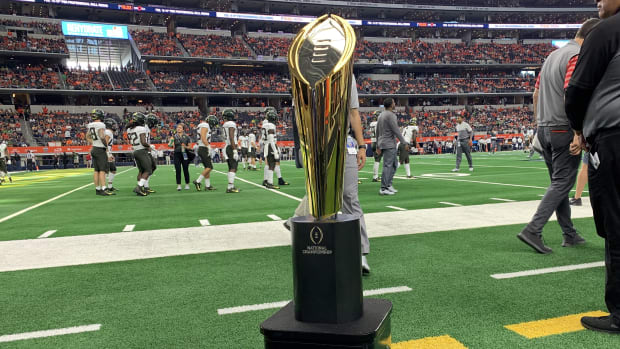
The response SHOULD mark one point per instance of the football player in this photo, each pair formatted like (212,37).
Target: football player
(373,140)
(204,141)
(231,154)
(110,127)
(137,135)
(5,160)
(244,144)
(96,136)
(271,151)
(252,149)
(410,132)
(150,122)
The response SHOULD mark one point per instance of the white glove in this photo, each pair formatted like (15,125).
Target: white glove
(276,155)
(8,162)
(235,155)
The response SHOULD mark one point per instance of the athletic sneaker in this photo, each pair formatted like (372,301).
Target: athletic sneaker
(186,186)
(471,169)
(210,188)
(197,184)
(112,189)
(138,190)
(282,181)
(375,179)
(365,266)
(569,241)
(575,202)
(410,177)
(149,190)
(109,192)
(271,186)
(391,188)
(265,183)
(178,188)
(386,192)
(455,170)
(601,324)
(534,241)
(232,190)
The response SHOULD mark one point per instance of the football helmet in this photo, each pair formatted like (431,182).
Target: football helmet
(138,119)
(229,114)
(212,121)
(97,114)
(111,124)
(151,120)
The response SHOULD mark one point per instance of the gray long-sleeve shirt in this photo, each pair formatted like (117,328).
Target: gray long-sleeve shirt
(388,131)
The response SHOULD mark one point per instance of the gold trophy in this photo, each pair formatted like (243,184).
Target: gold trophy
(328,309)
(320,61)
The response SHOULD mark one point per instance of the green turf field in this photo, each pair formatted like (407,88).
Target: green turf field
(173,302)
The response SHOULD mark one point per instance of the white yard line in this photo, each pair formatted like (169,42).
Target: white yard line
(47,234)
(49,333)
(50,200)
(396,208)
(274,305)
(548,270)
(129,227)
(450,203)
(260,186)
(504,200)
(274,217)
(136,245)
(204,222)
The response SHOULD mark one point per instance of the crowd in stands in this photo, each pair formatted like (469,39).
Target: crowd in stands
(191,82)
(255,82)
(436,85)
(13,43)
(10,128)
(34,77)
(40,27)
(151,43)
(129,80)
(493,3)
(86,80)
(269,46)
(214,46)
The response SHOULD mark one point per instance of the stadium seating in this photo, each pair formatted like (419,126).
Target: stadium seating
(152,43)
(35,77)
(214,46)
(12,43)
(87,80)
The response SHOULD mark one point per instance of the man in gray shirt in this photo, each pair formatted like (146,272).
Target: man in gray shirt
(555,136)
(387,132)
(463,144)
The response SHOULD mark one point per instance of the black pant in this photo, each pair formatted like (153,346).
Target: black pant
(604,184)
(178,161)
(29,165)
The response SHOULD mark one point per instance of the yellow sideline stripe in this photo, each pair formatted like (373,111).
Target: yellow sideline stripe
(549,327)
(443,342)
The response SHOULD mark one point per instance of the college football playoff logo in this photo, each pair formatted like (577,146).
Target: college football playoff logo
(316,235)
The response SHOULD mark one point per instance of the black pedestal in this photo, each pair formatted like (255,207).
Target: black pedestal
(371,331)
(327,275)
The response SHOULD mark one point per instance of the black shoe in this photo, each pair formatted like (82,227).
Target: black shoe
(572,240)
(271,186)
(600,324)
(197,184)
(282,181)
(209,188)
(112,189)
(108,192)
(359,182)
(287,225)
(375,179)
(233,190)
(139,191)
(534,241)
(575,202)
(265,183)
(10,179)
(149,190)
(98,191)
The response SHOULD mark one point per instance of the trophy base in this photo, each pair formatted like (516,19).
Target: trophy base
(327,272)
(371,331)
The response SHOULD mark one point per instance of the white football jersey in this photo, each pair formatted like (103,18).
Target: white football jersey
(267,126)
(3,151)
(251,140)
(134,137)
(208,135)
(110,134)
(245,141)
(373,131)
(408,133)
(93,130)
(227,126)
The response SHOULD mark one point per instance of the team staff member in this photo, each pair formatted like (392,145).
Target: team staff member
(555,137)
(593,108)
(182,144)
(387,132)
(463,143)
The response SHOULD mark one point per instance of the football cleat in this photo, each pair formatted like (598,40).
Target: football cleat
(365,266)
(271,186)
(375,179)
(139,191)
(149,190)
(197,184)
(10,179)
(108,192)
(282,181)
(265,183)
(455,170)
(112,189)
(209,188)
(232,190)
(359,182)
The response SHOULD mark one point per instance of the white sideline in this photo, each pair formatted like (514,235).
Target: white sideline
(47,234)
(129,227)
(274,217)
(450,203)
(135,245)
(260,186)
(49,333)
(548,270)
(274,305)
(50,200)
(504,200)
(396,208)
(204,222)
